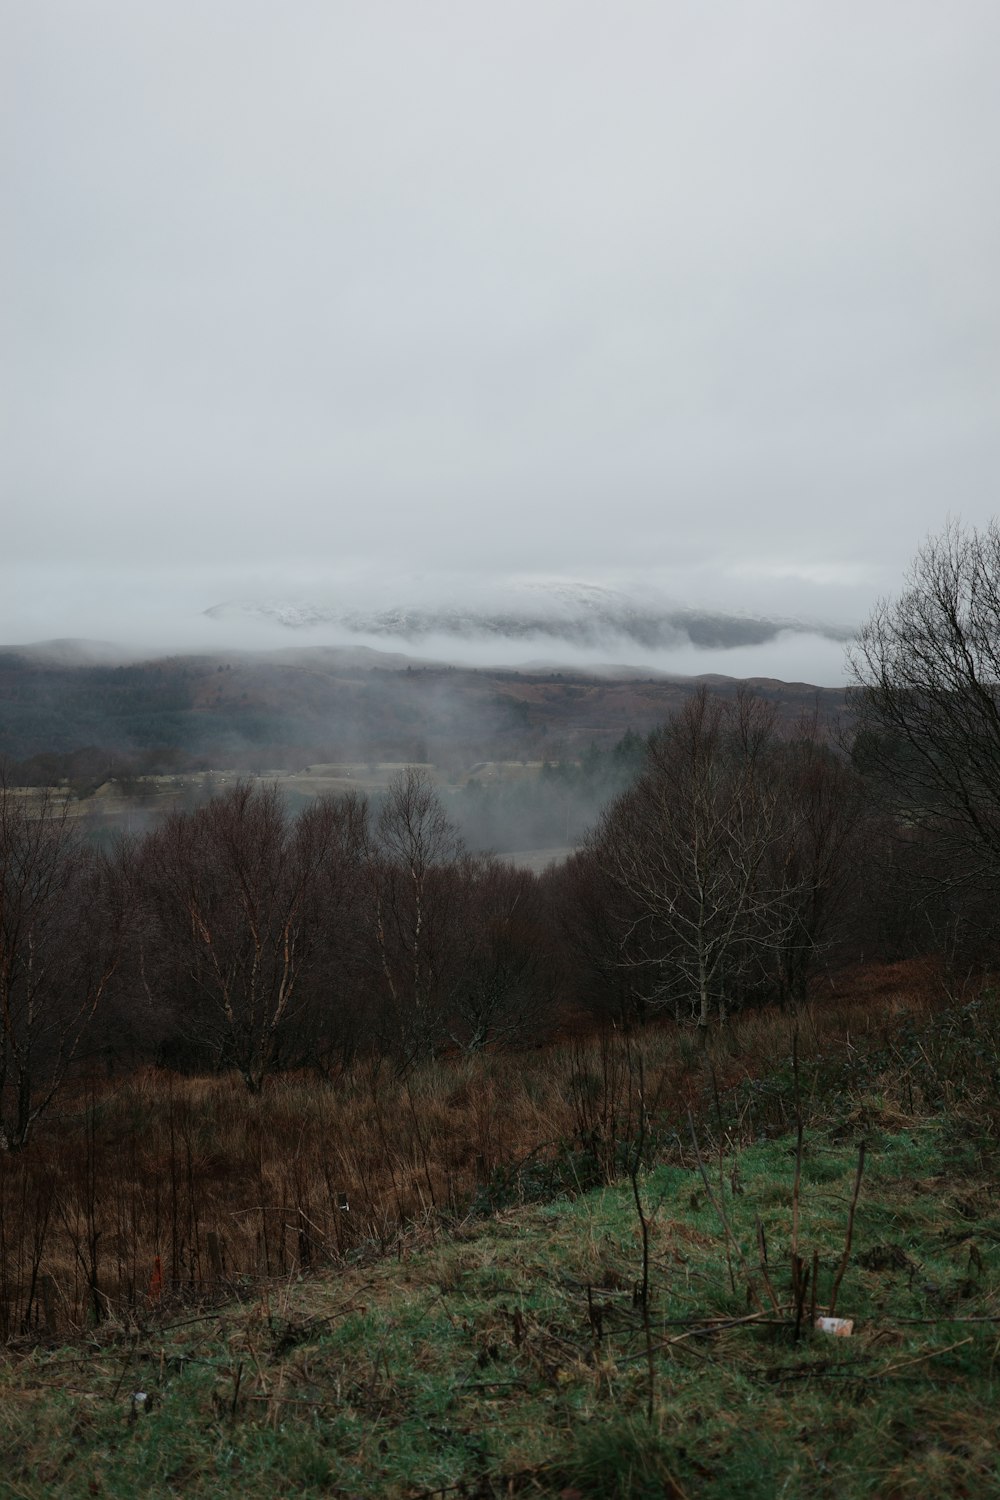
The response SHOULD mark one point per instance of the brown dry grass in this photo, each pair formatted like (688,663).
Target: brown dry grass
(146,1191)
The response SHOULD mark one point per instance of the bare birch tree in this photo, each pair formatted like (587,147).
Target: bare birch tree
(415,901)
(230,885)
(689,845)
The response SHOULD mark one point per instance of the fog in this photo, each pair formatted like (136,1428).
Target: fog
(145,614)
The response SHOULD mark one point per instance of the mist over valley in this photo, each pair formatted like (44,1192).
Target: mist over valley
(525,757)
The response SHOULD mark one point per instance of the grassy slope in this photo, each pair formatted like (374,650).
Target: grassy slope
(474,1356)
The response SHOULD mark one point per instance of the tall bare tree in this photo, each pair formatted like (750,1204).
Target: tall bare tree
(416,899)
(600,940)
(927,670)
(230,885)
(688,844)
(503,980)
(63,916)
(814,862)
(337,1015)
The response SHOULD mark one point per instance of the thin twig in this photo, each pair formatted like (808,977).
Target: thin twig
(944,1318)
(762,1258)
(721,1211)
(635,1162)
(917,1359)
(797,1181)
(850,1231)
(761,1319)
(128,1361)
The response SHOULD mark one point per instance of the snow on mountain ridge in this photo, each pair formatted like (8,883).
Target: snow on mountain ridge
(579,613)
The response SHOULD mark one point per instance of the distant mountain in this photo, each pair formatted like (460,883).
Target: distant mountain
(573,613)
(72,652)
(306,704)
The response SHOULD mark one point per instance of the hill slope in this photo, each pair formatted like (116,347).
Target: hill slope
(289,707)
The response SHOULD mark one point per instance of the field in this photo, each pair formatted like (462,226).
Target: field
(437,1285)
(131,805)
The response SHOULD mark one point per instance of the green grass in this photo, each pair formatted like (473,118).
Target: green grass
(509,1353)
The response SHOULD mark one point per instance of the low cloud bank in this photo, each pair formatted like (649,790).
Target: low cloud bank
(515,622)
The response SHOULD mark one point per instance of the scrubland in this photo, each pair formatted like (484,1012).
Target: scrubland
(436,1283)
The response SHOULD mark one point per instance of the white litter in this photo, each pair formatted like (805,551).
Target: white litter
(841,1328)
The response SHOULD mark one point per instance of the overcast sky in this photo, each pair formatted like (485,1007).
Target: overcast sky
(313,296)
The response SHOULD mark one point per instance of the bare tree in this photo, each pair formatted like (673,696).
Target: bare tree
(230,885)
(599,935)
(63,916)
(415,898)
(336,1016)
(503,983)
(689,845)
(814,863)
(927,670)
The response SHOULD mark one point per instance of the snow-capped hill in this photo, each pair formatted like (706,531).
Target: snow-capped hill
(575,613)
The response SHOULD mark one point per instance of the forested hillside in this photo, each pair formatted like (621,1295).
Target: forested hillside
(286,709)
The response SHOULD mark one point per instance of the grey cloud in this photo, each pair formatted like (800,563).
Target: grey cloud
(675,293)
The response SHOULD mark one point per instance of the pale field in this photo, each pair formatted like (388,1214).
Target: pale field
(131,805)
(539,860)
